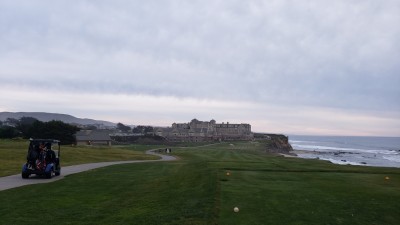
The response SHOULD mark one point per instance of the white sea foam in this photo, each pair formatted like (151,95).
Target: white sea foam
(328,148)
(294,141)
(394,158)
(335,161)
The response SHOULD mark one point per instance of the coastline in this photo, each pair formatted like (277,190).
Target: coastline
(308,154)
(347,150)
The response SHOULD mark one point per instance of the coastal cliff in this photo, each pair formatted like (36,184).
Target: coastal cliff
(275,143)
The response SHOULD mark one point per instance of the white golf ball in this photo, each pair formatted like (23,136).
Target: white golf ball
(236,209)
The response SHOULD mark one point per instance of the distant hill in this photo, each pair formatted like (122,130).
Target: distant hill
(45,117)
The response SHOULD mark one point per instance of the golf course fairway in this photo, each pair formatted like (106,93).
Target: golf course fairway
(205,185)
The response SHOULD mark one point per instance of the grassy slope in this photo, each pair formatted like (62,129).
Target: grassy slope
(13,155)
(196,190)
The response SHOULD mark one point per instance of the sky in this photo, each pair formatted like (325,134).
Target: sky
(294,67)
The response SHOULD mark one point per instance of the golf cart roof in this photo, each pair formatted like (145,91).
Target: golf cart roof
(44,141)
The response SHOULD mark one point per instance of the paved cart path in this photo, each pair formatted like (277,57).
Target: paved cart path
(14,181)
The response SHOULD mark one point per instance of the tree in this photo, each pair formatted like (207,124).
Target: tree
(25,124)
(148,129)
(8,132)
(16,127)
(142,129)
(137,130)
(27,120)
(29,127)
(54,130)
(123,128)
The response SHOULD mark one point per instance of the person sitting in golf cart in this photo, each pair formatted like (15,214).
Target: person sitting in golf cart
(50,154)
(41,160)
(33,155)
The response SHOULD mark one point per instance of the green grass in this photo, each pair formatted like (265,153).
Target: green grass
(13,155)
(268,189)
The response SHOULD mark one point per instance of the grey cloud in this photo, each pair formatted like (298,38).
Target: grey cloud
(318,53)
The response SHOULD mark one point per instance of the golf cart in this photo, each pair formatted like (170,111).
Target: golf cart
(43,158)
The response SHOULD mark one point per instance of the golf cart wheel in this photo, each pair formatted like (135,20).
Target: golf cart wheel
(25,175)
(48,175)
(57,173)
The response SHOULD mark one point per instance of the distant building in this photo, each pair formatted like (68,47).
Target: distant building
(200,131)
(93,137)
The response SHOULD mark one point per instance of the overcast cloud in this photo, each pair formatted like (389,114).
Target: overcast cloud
(312,67)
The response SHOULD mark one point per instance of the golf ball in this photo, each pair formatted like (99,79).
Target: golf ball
(236,209)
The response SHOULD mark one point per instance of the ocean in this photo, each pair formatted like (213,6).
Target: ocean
(366,151)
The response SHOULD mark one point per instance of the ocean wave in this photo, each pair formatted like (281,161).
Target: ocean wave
(342,162)
(382,161)
(329,148)
(335,161)
(394,158)
(294,141)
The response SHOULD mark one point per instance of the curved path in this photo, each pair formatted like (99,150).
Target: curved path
(17,181)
